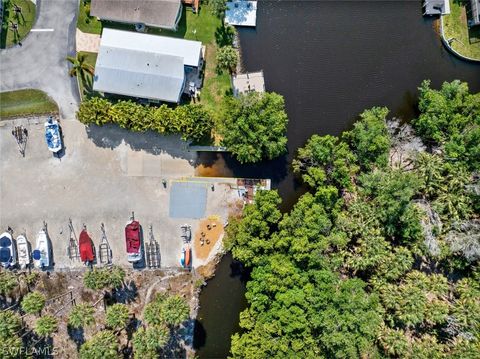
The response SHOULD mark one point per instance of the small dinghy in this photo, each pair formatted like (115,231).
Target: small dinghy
(8,255)
(132,239)
(186,260)
(41,253)
(86,248)
(52,135)
(23,252)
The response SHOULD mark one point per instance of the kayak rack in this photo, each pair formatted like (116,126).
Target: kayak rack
(72,249)
(152,250)
(104,249)
(21,135)
(186,233)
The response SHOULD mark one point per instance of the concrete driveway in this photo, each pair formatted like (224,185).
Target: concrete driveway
(40,62)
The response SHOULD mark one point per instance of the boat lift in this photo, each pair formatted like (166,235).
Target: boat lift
(104,249)
(72,250)
(21,135)
(152,250)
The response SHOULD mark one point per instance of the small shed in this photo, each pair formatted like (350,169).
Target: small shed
(241,13)
(248,82)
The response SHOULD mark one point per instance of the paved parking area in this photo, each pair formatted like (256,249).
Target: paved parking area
(93,182)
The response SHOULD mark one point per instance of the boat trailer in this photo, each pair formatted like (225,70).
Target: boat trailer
(21,135)
(152,251)
(186,233)
(72,250)
(104,249)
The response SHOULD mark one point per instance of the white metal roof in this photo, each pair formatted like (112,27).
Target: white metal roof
(241,13)
(189,50)
(139,74)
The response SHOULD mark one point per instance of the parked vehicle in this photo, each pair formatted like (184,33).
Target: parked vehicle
(41,253)
(133,240)
(52,135)
(85,243)
(8,254)
(24,258)
(186,260)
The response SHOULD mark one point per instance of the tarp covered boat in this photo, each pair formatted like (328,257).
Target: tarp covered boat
(23,247)
(8,255)
(186,260)
(133,242)
(52,135)
(41,253)
(86,247)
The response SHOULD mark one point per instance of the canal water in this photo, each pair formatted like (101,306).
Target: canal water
(330,60)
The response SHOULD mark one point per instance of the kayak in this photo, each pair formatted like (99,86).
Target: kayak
(186,260)
(8,255)
(41,253)
(23,252)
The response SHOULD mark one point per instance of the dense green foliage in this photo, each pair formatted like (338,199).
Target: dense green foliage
(33,303)
(81,315)
(46,326)
(193,122)
(254,126)
(117,316)
(227,59)
(167,310)
(147,342)
(9,324)
(104,278)
(104,345)
(381,257)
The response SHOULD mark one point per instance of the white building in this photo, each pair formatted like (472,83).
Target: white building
(144,66)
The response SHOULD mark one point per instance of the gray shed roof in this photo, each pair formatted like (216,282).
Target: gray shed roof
(157,13)
(139,74)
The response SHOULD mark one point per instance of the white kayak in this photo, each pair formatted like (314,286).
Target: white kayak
(23,248)
(8,254)
(41,253)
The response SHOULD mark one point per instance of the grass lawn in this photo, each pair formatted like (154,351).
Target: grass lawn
(86,89)
(87,23)
(25,102)
(467,41)
(25,21)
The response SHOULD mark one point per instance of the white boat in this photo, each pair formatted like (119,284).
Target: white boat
(23,248)
(52,135)
(8,253)
(41,253)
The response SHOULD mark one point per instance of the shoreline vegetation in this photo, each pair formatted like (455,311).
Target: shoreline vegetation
(27,102)
(380,257)
(457,35)
(18,20)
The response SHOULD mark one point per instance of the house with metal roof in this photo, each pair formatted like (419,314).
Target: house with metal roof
(163,14)
(144,66)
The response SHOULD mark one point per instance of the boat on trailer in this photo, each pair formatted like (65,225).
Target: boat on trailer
(133,241)
(41,253)
(23,248)
(8,255)
(86,247)
(52,135)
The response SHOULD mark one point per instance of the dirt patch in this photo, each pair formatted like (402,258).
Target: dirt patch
(209,232)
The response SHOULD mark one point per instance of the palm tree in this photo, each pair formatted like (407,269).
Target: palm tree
(117,316)
(147,342)
(81,316)
(103,345)
(46,326)
(33,303)
(80,68)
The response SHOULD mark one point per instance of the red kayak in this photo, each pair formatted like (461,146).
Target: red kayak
(132,238)
(86,248)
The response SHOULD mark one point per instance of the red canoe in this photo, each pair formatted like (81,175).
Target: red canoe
(132,238)
(86,248)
